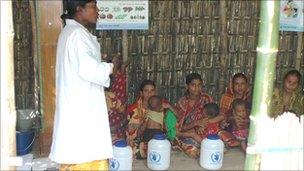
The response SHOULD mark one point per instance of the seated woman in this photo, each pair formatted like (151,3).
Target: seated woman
(116,97)
(189,109)
(136,114)
(117,117)
(119,79)
(289,98)
(238,89)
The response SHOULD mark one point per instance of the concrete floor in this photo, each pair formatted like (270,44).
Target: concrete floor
(233,160)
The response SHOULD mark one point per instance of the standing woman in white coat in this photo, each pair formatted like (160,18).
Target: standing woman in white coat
(81,135)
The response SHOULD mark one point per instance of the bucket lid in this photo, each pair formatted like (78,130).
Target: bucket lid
(121,143)
(159,136)
(213,137)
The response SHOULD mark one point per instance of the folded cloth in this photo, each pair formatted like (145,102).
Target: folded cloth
(156,116)
(170,122)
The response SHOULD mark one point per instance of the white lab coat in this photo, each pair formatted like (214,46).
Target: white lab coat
(81,125)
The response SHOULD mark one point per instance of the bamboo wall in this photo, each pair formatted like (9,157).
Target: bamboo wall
(43,28)
(184,37)
(23,58)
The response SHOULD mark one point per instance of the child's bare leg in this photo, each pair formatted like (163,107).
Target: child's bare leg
(185,134)
(191,134)
(196,137)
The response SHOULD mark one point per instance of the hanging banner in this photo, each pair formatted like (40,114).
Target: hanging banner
(291,15)
(123,15)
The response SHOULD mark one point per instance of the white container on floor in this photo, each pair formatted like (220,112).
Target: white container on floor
(159,150)
(212,150)
(122,156)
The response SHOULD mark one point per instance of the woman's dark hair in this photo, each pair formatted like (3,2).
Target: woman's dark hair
(238,75)
(293,72)
(146,82)
(70,7)
(193,76)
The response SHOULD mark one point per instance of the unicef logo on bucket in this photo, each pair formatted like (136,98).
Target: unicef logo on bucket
(114,164)
(154,157)
(216,157)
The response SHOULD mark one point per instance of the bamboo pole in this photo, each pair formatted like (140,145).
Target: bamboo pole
(38,49)
(36,61)
(223,45)
(299,51)
(125,51)
(264,78)
(125,45)
(8,109)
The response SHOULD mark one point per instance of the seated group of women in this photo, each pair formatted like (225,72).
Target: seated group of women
(197,114)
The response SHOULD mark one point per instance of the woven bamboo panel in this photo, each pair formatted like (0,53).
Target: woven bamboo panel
(23,60)
(242,37)
(183,37)
(287,55)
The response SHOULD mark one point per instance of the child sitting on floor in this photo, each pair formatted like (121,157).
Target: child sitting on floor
(239,121)
(211,110)
(198,133)
(154,119)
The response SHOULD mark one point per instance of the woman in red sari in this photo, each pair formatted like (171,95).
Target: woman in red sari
(238,89)
(136,114)
(119,79)
(116,98)
(190,110)
(117,117)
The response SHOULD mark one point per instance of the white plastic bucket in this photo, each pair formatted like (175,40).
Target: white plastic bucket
(212,150)
(122,156)
(159,150)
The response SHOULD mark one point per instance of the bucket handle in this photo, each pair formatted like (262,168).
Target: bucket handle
(30,143)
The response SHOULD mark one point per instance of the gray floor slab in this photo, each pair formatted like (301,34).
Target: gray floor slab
(234,159)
